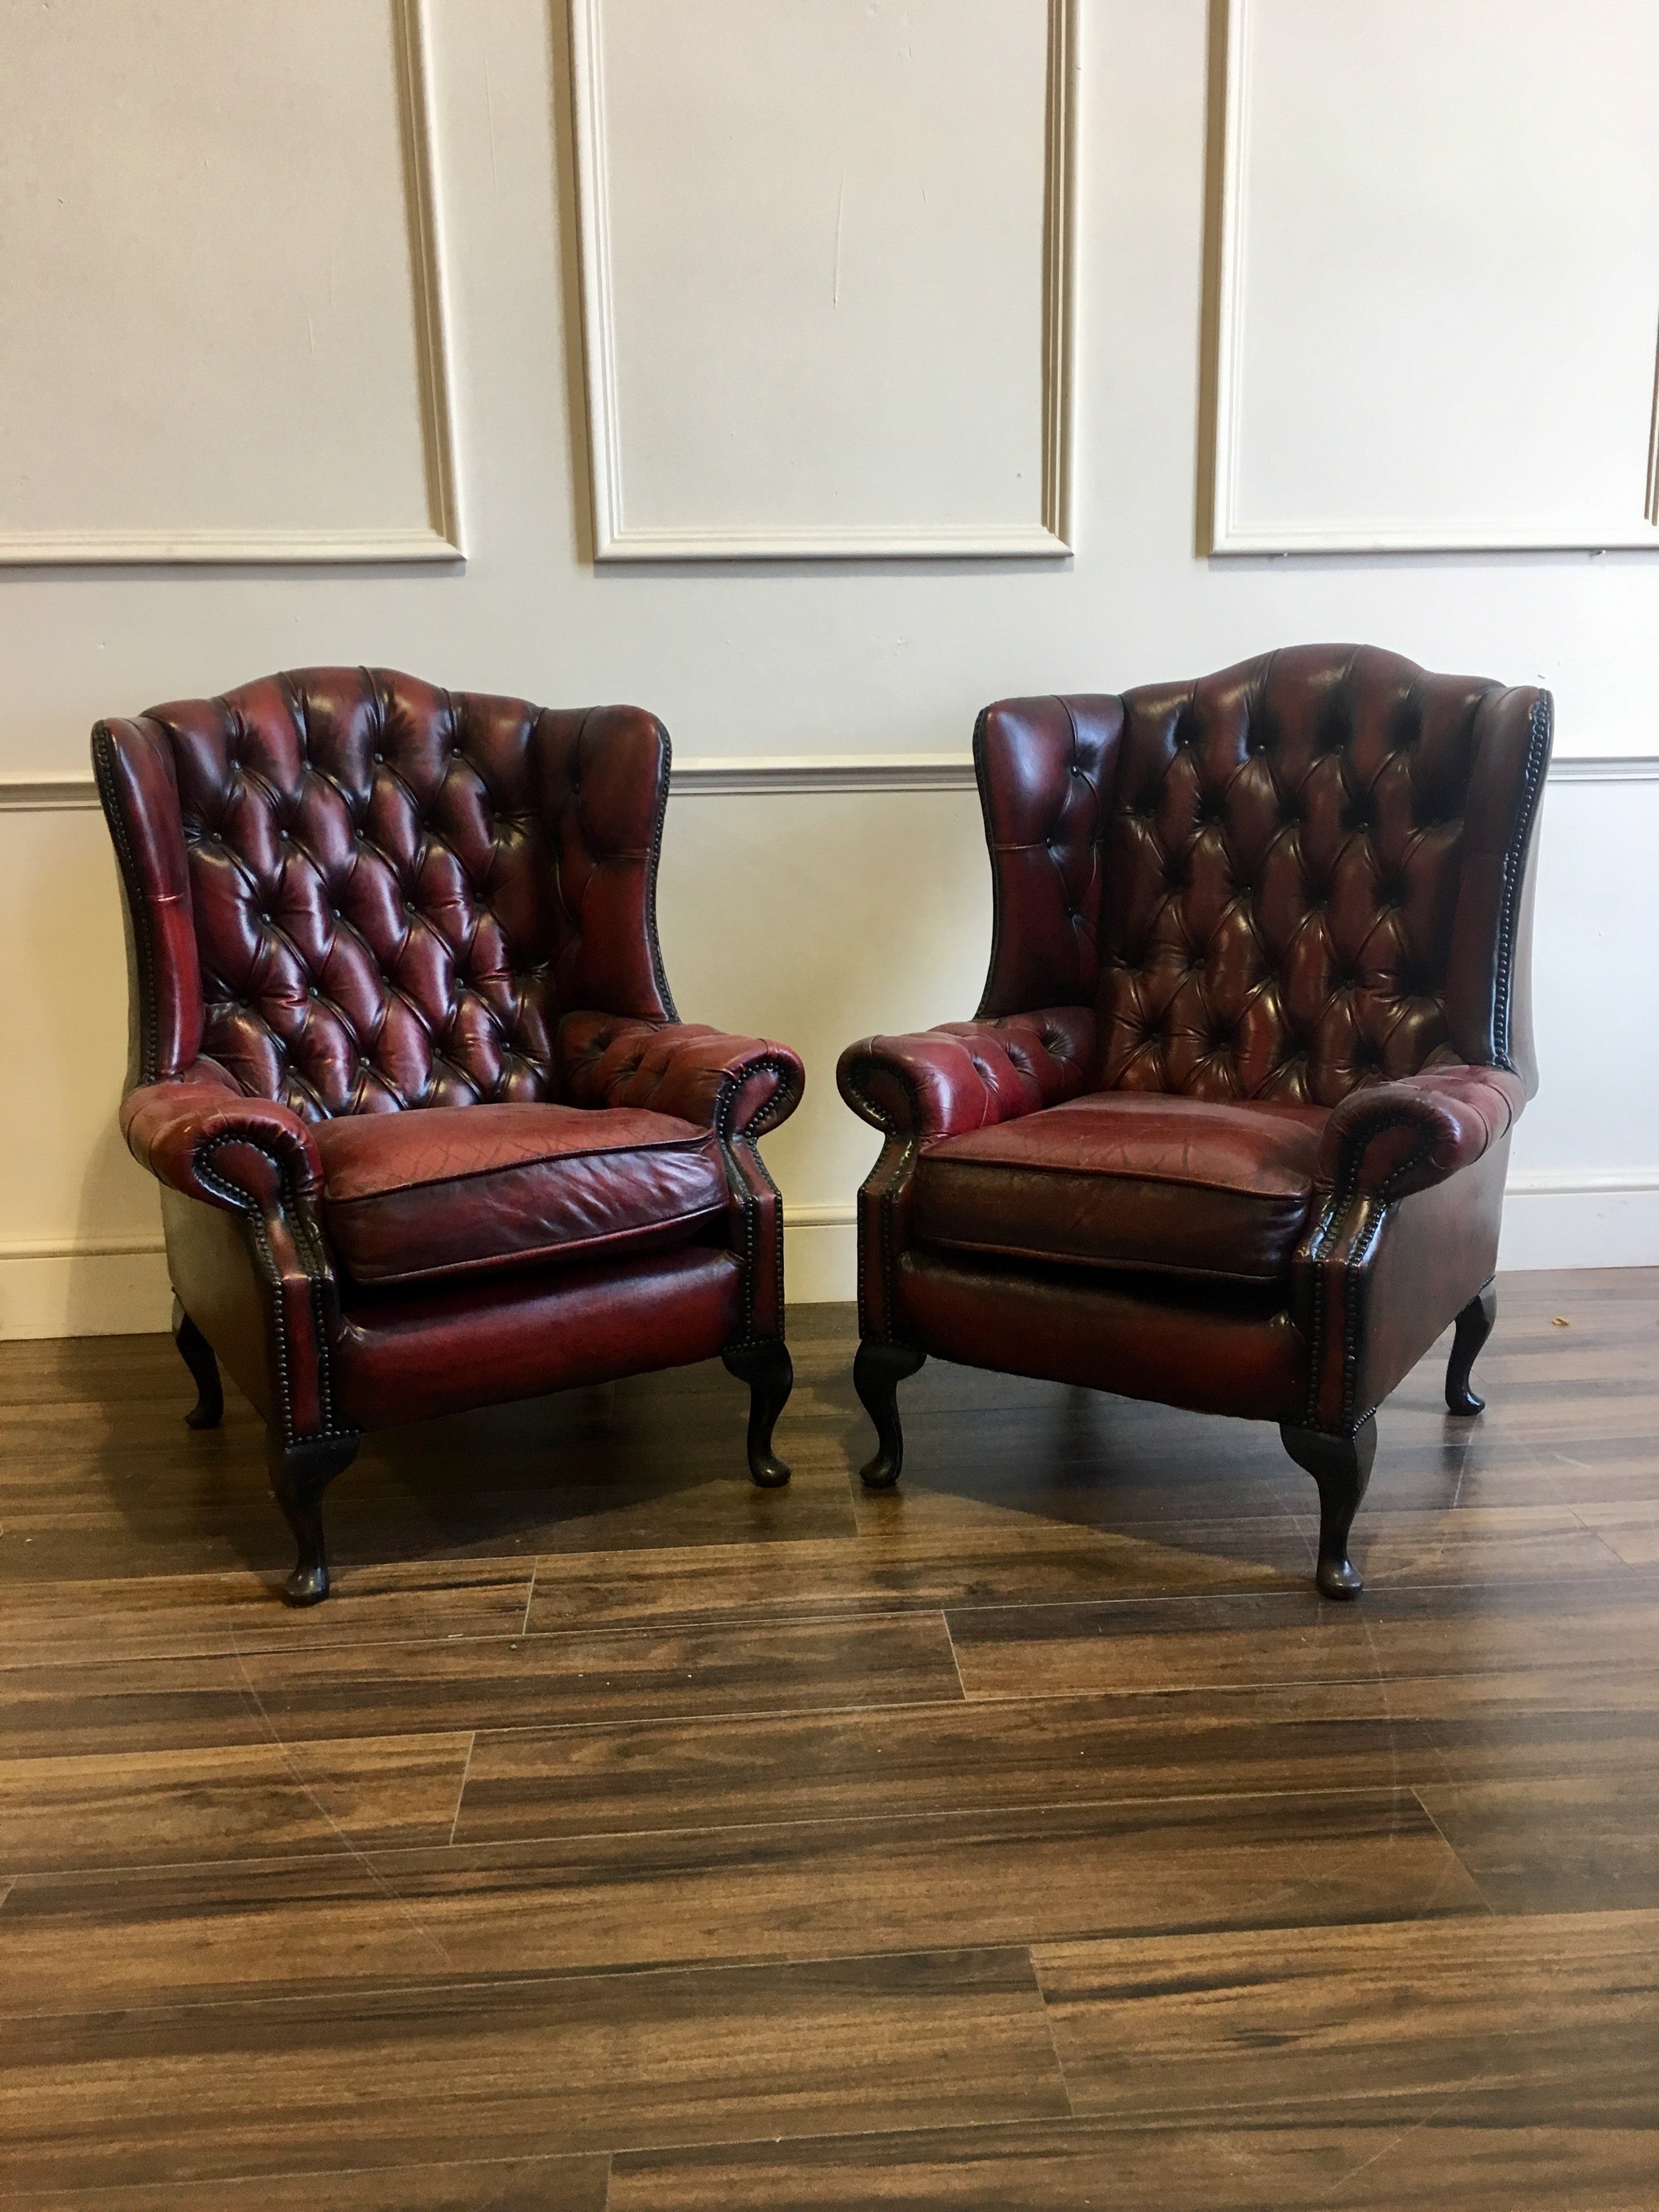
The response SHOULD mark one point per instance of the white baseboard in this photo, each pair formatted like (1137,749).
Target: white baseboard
(820,1255)
(96,1287)
(1589,1218)
(117,1286)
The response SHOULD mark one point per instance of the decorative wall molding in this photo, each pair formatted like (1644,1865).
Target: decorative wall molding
(137,1245)
(1580,1182)
(1605,767)
(714,776)
(46,794)
(1229,535)
(614,539)
(440,541)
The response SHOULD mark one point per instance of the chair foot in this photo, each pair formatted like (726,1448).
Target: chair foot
(198,1355)
(1474,1326)
(1341,1466)
(765,1367)
(300,1473)
(877,1373)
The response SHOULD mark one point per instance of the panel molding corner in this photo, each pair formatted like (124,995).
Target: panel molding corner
(440,540)
(1229,533)
(615,540)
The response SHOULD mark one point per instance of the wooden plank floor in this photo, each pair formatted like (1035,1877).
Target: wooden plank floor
(620,1836)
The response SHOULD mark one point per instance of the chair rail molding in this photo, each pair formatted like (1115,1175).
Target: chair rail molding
(1229,530)
(616,539)
(791,775)
(441,539)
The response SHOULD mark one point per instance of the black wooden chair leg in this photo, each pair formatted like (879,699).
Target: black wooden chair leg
(1474,1326)
(198,1355)
(877,1373)
(1341,1466)
(765,1367)
(300,1473)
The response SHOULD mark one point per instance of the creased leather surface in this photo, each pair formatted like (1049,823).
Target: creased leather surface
(196,1134)
(740,1085)
(967,1075)
(1239,1356)
(1401,1137)
(402,1357)
(463,1190)
(1122,1180)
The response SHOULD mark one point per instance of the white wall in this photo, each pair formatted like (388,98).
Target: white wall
(815,914)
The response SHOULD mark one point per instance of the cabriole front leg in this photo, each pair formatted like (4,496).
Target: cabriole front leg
(300,1473)
(1474,1326)
(198,1355)
(877,1373)
(1341,1466)
(765,1367)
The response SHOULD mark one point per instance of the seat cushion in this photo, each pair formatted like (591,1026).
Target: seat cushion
(470,1190)
(1129,1179)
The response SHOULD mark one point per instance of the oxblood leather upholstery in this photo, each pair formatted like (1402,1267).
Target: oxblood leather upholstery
(429,1131)
(1231,1126)
(423,1197)
(1119,1180)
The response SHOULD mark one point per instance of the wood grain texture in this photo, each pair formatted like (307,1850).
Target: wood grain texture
(576,2183)
(790,1890)
(679,2057)
(620,1840)
(1363,2162)
(1553,2021)
(135,1808)
(1367,1734)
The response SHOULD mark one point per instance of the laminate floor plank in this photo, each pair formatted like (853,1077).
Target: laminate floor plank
(1543,2022)
(187,2092)
(575,2183)
(1212,1641)
(1586,1842)
(1364,1734)
(207,1616)
(924,1554)
(136,1808)
(1363,2163)
(787,1891)
(1631,1530)
(776,1667)
(323,1690)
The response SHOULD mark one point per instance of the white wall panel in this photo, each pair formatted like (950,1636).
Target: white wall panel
(1439,275)
(220,336)
(814,907)
(825,259)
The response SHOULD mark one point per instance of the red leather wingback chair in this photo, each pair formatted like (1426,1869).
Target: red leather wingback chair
(1230,1129)
(429,1131)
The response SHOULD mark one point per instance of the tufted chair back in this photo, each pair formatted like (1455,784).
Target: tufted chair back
(1302,875)
(353,893)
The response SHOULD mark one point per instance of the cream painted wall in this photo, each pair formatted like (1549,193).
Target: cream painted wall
(817,915)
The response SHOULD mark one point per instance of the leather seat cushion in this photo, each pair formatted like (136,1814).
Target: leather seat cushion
(1140,1180)
(439,1191)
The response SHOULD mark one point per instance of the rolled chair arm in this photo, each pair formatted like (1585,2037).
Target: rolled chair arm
(967,1075)
(738,1086)
(211,1142)
(1392,1139)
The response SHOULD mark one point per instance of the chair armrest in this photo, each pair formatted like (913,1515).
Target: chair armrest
(1392,1139)
(738,1086)
(967,1075)
(217,1145)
